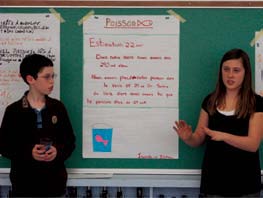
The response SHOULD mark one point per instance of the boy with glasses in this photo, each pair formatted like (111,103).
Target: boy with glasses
(36,134)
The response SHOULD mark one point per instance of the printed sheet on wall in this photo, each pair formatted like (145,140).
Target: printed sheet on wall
(131,83)
(20,35)
(259,63)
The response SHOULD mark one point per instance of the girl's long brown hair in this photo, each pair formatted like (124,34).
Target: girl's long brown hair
(246,98)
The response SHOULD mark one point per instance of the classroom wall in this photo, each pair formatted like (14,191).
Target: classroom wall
(204,37)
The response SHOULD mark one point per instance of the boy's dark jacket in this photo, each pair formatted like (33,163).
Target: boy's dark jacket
(19,134)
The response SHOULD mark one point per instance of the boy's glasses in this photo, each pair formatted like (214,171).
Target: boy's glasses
(48,77)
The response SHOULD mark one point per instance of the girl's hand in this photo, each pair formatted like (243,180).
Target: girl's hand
(215,135)
(183,130)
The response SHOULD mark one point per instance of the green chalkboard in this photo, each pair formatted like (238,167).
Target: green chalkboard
(204,37)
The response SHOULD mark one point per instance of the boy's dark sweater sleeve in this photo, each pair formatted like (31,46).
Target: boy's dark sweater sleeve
(66,143)
(10,141)
(5,136)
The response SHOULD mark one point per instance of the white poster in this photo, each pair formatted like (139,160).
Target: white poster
(259,65)
(22,34)
(130,88)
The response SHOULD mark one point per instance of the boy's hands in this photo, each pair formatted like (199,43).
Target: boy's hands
(39,153)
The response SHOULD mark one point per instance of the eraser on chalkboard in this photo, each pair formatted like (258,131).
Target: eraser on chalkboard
(57,15)
(90,175)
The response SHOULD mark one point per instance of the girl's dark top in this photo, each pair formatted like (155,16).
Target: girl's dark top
(19,134)
(227,170)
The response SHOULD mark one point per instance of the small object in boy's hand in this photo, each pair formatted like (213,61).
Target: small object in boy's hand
(47,147)
(47,142)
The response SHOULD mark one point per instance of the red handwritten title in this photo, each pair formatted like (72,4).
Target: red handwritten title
(128,24)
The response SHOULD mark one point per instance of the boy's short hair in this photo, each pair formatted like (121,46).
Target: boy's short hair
(32,64)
